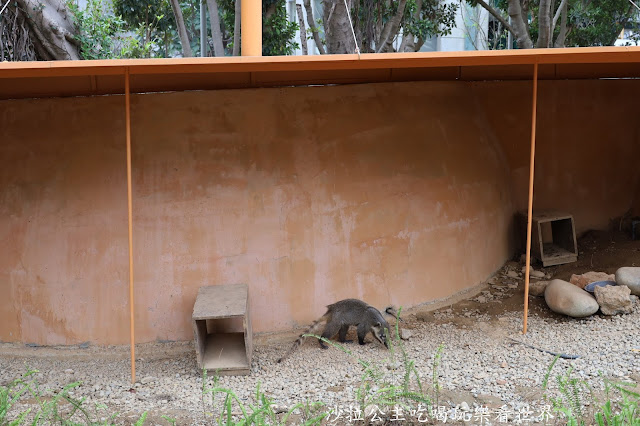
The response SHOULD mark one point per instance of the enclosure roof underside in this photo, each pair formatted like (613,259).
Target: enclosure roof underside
(103,77)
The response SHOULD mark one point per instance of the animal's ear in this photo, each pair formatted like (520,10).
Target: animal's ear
(378,324)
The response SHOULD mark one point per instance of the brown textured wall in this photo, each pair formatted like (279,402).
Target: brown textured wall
(395,193)
(587,146)
(312,195)
(63,258)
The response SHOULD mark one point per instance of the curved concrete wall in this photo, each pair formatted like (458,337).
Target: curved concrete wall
(393,193)
(587,145)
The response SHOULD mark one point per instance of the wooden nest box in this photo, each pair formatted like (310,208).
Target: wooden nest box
(553,237)
(222,329)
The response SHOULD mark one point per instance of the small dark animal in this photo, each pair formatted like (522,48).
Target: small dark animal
(343,314)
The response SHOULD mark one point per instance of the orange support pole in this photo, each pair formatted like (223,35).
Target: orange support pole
(530,206)
(127,97)
(251,27)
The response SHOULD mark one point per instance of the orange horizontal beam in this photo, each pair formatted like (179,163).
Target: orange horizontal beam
(592,55)
(87,78)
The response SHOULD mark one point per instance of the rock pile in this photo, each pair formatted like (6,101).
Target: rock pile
(570,298)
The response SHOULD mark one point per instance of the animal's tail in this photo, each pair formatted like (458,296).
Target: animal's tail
(311,330)
(391,310)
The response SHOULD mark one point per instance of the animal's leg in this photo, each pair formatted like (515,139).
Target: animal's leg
(330,330)
(362,332)
(342,336)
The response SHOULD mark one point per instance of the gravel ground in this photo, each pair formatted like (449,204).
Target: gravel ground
(480,367)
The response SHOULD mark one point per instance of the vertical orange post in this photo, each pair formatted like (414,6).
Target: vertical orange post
(127,101)
(530,206)
(251,27)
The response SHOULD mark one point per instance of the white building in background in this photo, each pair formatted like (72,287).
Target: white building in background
(316,5)
(470,32)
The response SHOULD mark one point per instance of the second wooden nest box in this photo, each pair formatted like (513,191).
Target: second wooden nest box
(553,237)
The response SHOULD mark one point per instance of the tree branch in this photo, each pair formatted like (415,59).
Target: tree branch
(391,28)
(408,41)
(557,15)
(236,29)
(312,26)
(562,36)
(182,30)
(497,15)
(303,30)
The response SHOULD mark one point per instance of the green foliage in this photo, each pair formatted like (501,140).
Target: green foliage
(219,404)
(435,18)
(621,408)
(589,23)
(572,395)
(598,23)
(145,28)
(171,420)
(102,34)
(435,384)
(154,21)
(156,15)
(48,407)
(623,413)
(141,420)
(400,390)
(277,32)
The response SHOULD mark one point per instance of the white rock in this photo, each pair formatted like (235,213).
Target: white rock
(147,379)
(536,274)
(537,288)
(629,276)
(406,334)
(565,298)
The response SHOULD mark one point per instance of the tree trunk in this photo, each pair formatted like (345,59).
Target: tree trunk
(520,28)
(182,30)
(312,26)
(51,29)
(236,29)
(303,30)
(216,32)
(562,36)
(391,29)
(544,24)
(337,28)
(409,41)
